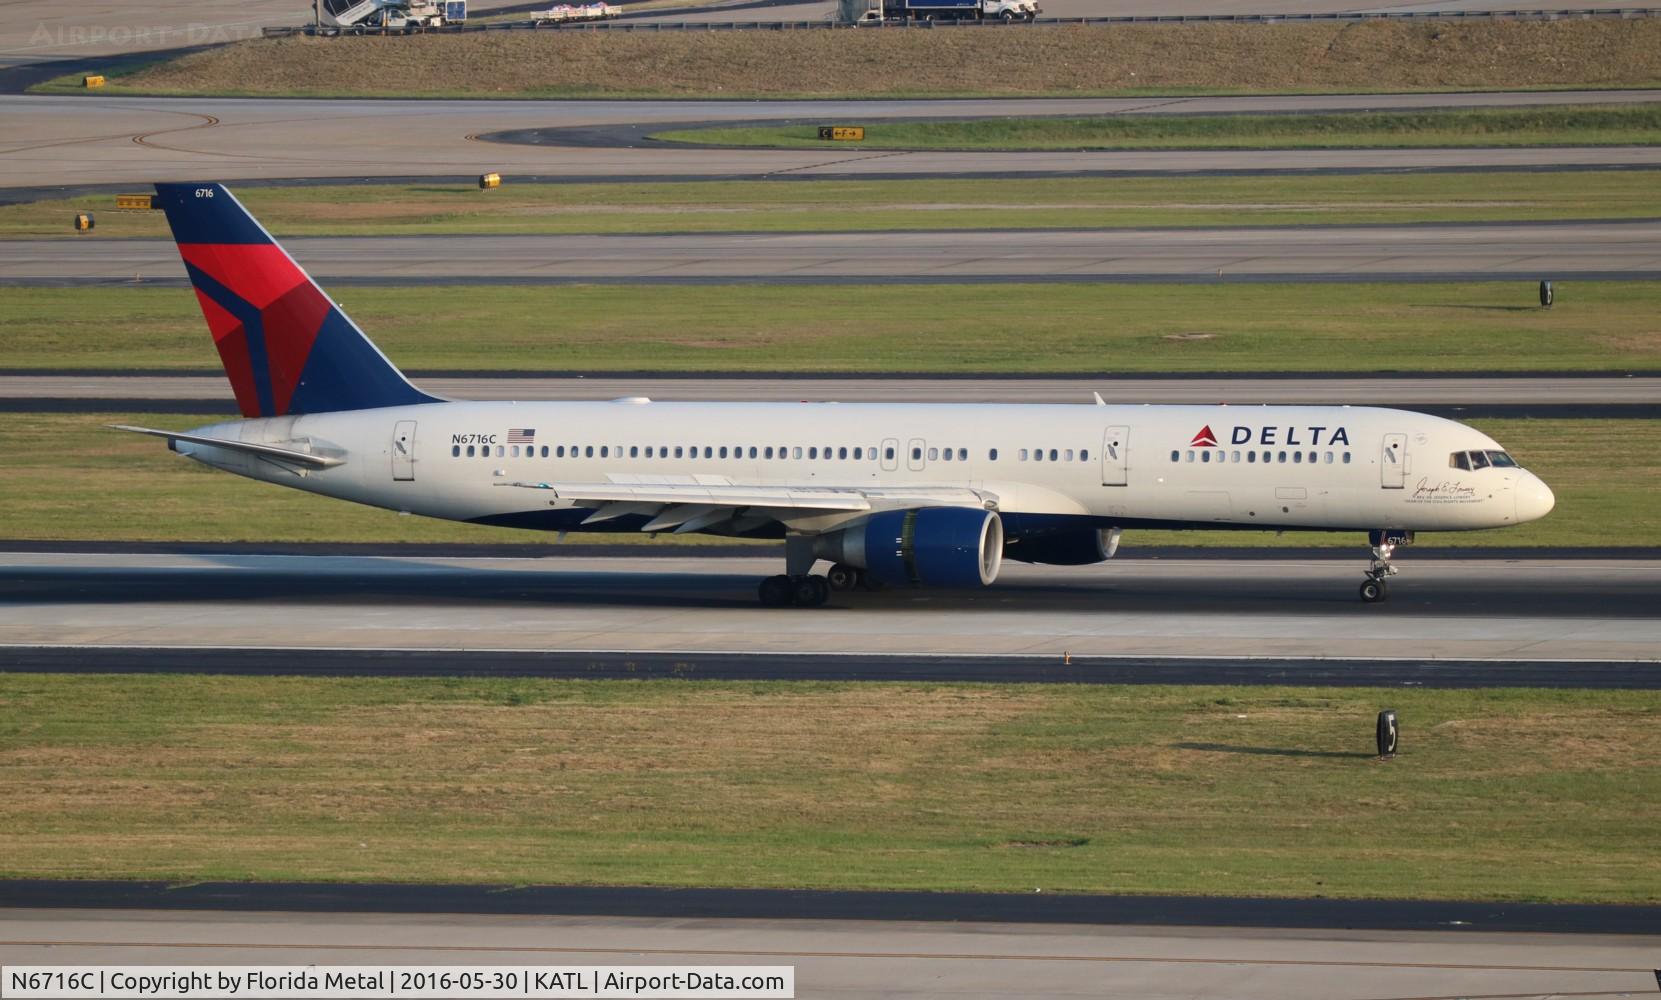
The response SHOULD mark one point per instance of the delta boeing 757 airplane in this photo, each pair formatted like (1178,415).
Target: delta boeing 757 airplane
(889,494)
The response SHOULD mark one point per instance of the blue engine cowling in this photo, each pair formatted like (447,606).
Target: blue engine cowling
(1070,547)
(931,546)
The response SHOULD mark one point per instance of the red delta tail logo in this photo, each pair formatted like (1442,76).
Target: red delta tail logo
(1204,439)
(265,316)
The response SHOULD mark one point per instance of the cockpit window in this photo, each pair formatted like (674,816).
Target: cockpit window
(1473,460)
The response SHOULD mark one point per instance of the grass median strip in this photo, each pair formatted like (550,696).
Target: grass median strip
(866,206)
(1261,791)
(1560,126)
(1053,328)
(63,476)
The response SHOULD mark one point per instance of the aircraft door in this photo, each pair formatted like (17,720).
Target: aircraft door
(403,451)
(1116,456)
(914,454)
(890,454)
(1393,462)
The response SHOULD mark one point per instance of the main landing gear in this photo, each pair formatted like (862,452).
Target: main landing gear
(798,586)
(1380,569)
(802,591)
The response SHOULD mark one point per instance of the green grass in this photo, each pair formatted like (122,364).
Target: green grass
(1251,791)
(827,206)
(64,477)
(1559,126)
(1062,328)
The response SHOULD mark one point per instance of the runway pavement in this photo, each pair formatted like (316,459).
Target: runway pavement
(886,958)
(56,142)
(1523,252)
(1500,610)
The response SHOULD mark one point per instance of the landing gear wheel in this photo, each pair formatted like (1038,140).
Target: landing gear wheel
(843,577)
(1373,591)
(777,592)
(809,591)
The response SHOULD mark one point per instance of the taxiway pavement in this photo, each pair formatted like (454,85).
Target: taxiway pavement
(863,958)
(1520,251)
(1319,389)
(54,142)
(1502,609)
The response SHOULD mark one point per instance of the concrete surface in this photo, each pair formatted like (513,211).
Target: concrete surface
(55,141)
(1522,251)
(874,958)
(1382,390)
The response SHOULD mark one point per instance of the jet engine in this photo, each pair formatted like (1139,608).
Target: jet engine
(1069,547)
(931,546)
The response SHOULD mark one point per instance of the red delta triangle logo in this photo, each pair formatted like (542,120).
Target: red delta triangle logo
(1204,439)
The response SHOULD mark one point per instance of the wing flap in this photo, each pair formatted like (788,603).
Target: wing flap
(699,499)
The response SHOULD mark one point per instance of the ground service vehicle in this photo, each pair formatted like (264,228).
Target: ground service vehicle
(951,10)
(360,17)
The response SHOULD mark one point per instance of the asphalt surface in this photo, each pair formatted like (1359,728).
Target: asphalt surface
(910,668)
(878,952)
(57,142)
(1469,918)
(1520,251)
(1271,612)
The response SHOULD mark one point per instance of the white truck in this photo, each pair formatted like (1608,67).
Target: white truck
(560,13)
(359,17)
(950,10)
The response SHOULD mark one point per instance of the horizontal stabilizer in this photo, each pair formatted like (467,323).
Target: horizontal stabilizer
(248,447)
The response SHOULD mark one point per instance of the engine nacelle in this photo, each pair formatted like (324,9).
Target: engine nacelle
(933,546)
(1071,547)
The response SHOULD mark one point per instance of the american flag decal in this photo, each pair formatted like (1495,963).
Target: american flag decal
(521,435)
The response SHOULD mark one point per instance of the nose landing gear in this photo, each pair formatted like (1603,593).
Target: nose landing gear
(1380,569)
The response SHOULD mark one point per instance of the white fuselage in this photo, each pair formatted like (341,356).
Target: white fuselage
(1321,467)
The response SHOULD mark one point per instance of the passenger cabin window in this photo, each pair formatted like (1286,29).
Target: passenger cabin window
(992,455)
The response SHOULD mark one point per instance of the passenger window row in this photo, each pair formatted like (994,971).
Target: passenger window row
(1223,455)
(759,452)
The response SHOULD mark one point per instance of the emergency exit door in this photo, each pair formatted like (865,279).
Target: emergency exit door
(1115,456)
(1392,462)
(403,451)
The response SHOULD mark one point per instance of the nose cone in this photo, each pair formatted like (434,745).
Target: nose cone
(1534,498)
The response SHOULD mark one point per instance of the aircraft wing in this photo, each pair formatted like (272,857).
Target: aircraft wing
(704,502)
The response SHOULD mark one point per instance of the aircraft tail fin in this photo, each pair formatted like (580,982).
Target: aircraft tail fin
(286,347)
